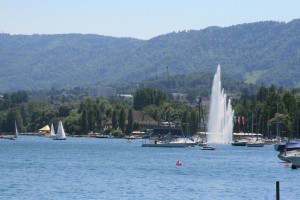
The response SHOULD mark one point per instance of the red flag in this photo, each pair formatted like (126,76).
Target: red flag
(243,120)
(239,120)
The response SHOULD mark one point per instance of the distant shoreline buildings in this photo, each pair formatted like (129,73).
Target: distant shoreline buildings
(102,91)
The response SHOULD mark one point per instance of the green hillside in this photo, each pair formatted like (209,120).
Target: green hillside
(263,52)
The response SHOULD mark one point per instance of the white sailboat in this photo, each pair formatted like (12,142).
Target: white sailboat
(61,135)
(16,130)
(52,132)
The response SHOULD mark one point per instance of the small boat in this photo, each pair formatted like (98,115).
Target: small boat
(16,134)
(52,132)
(255,143)
(178,163)
(208,148)
(61,135)
(239,143)
(129,137)
(16,131)
(202,144)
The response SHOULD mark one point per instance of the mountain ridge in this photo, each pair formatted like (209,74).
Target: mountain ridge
(36,62)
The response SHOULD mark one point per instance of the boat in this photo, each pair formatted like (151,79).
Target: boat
(292,145)
(284,156)
(294,159)
(258,142)
(168,141)
(16,133)
(16,130)
(163,144)
(129,137)
(52,132)
(61,135)
(240,142)
(208,148)
(202,143)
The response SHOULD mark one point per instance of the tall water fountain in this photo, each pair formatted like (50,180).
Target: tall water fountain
(220,118)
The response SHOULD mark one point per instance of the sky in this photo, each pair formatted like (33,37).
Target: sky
(141,19)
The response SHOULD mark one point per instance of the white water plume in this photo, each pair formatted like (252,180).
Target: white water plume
(220,118)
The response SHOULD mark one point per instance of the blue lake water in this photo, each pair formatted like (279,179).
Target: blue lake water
(89,168)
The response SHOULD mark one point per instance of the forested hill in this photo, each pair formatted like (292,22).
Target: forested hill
(259,52)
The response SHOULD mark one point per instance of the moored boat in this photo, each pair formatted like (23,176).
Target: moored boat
(208,148)
(239,143)
(255,142)
(61,135)
(284,156)
(295,159)
(291,145)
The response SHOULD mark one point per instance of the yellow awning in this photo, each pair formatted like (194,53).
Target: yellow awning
(45,128)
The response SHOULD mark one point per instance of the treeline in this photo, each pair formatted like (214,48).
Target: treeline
(272,111)
(89,114)
(263,112)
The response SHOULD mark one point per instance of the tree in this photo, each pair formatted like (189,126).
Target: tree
(122,119)
(193,122)
(84,122)
(114,120)
(285,120)
(129,128)
(148,96)
(185,123)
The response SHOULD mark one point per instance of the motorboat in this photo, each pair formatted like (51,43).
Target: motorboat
(258,142)
(208,148)
(285,155)
(161,138)
(129,137)
(237,142)
(202,143)
(178,142)
(295,159)
(292,145)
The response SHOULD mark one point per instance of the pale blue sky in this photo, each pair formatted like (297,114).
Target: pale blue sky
(141,19)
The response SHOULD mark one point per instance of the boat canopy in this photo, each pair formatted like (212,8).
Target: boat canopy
(45,128)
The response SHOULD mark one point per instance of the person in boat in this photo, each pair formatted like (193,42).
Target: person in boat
(178,163)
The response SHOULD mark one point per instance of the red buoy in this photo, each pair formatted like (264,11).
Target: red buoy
(178,163)
(286,164)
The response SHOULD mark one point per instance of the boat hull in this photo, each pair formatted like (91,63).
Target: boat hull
(256,145)
(170,145)
(59,138)
(295,160)
(239,143)
(284,156)
(208,148)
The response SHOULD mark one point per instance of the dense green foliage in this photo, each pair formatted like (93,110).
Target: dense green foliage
(195,84)
(264,52)
(273,111)
(264,111)
(147,96)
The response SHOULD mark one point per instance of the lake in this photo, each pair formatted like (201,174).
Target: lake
(35,167)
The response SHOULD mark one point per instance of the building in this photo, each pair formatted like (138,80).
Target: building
(102,91)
